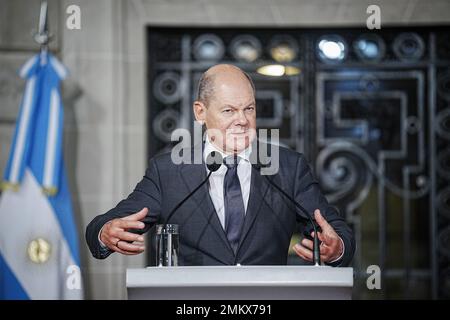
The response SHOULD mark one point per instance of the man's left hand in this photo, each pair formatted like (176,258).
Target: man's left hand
(331,247)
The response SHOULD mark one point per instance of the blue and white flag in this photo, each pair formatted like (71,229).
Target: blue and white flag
(39,256)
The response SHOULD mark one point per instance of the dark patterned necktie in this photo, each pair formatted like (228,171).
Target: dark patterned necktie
(233,202)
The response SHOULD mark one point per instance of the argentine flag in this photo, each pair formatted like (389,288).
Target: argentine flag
(39,257)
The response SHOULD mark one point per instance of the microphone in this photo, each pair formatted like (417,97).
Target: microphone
(316,249)
(214,161)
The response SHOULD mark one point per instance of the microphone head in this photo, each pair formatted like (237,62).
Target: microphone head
(213,161)
(258,166)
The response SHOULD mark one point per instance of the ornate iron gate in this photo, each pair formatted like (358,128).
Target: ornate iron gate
(373,119)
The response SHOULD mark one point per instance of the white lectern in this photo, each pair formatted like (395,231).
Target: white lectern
(239,283)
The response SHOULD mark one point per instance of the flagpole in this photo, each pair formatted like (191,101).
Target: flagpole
(43,37)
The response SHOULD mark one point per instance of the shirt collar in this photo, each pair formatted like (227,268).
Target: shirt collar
(209,147)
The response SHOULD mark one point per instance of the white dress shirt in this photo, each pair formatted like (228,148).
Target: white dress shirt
(244,171)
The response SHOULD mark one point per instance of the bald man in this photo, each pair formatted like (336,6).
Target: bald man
(237,217)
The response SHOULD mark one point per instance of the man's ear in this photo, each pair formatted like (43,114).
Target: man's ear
(199,111)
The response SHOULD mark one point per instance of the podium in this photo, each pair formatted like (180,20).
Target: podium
(239,283)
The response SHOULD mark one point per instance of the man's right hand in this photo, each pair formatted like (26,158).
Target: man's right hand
(115,236)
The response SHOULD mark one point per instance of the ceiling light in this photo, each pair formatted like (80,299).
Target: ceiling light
(331,49)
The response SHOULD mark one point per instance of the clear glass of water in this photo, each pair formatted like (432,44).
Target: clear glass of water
(167,242)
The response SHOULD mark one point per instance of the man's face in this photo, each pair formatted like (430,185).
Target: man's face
(230,115)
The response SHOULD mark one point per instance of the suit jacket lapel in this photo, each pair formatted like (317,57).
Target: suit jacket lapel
(258,195)
(258,191)
(193,175)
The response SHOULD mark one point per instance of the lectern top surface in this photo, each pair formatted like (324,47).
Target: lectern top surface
(239,276)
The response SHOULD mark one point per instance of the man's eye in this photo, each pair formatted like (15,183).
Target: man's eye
(227,110)
(250,108)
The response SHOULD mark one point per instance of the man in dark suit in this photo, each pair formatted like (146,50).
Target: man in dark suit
(238,217)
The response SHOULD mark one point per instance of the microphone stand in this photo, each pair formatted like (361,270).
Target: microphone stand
(316,244)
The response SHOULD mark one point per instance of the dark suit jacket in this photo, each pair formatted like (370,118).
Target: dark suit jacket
(269,222)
